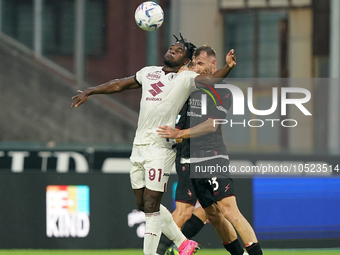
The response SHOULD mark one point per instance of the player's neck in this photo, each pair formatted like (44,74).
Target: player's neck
(167,69)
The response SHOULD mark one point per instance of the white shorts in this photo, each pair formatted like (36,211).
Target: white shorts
(151,166)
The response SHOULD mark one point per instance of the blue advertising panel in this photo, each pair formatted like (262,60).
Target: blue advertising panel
(296,208)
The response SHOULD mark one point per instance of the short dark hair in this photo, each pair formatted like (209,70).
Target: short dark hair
(189,47)
(205,48)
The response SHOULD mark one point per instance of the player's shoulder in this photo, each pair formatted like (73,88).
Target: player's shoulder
(224,93)
(154,67)
(188,73)
(151,69)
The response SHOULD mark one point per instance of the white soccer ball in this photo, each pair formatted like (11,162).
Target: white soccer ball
(149,16)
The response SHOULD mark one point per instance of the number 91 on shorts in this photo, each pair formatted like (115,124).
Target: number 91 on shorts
(151,166)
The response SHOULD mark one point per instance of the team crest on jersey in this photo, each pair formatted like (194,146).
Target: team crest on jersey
(154,75)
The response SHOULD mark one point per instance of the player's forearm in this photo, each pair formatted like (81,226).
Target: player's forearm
(230,63)
(202,129)
(208,79)
(105,88)
(183,134)
(223,72)
(114,86)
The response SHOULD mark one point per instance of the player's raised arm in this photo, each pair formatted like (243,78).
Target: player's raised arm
(230,63)
(114,86)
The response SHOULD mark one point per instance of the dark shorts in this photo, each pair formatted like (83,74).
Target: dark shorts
(211,190)
(185,192)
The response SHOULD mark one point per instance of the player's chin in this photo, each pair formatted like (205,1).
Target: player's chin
(168,62)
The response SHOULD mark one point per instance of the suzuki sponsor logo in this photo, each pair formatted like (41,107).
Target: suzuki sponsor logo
(153,99)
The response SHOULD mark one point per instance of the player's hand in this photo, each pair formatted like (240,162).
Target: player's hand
(231,58)
(80,99)
(167,132)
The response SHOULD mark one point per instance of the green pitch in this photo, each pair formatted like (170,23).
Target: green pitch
(139,252)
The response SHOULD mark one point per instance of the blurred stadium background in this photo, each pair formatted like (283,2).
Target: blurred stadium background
(53,156)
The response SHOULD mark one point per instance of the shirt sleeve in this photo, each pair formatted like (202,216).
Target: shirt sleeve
(137,81)
(190,76)
(139,76)
(216,110)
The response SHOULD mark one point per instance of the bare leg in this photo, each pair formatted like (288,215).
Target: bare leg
(231,212)
(223,227)
(139,198)
(182,213)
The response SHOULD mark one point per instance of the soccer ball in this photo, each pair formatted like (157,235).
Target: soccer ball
(149,16)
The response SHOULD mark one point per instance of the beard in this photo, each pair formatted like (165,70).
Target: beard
(171,63)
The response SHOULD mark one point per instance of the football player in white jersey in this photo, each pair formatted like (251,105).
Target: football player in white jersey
(164,92)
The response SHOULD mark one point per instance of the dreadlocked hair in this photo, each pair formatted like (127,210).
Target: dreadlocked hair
(189,47)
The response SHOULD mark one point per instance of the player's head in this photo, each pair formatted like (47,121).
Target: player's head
(204,59)
(179,53)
